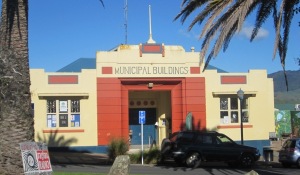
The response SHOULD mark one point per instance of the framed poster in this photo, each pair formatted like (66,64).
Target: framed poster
(63,106)
(226,120)
(63,120)
(75,120)
(51,121)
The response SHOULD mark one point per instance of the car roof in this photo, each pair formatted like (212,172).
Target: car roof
(199,131)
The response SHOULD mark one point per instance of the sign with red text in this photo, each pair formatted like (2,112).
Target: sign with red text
(35,158)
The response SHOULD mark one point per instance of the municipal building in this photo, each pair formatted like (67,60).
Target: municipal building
(91,101)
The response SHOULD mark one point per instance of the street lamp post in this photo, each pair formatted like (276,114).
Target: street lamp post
(240,94)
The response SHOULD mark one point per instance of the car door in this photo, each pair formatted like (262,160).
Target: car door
(227,149)
(206,145)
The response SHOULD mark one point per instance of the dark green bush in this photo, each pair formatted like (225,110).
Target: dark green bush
(116,147)
(150,157)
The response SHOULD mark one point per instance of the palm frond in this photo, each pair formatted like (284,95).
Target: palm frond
(102,2)
(287,19)
(264,11)
(218,10)
(228,37)
(232,22)
(243,11)
(277,16)
(191,6)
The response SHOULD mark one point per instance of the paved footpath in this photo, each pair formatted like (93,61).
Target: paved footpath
(100,163)
(102,159)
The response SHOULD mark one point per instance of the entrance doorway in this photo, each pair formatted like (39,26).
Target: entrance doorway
(149,128)
(157,105)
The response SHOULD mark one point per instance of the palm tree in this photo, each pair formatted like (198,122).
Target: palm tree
(226,17)
(16,119)
(16,116)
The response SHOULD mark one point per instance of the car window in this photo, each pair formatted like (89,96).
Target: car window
(289,144)
(221,139)
(185,137)
(207,139)
(199,139)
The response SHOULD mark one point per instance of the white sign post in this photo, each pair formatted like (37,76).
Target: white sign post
(142,120)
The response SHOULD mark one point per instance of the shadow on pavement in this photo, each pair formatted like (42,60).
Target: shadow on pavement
(79,158)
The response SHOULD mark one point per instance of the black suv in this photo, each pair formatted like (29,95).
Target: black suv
(190,148)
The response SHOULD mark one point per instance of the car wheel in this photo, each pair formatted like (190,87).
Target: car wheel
(246,161)
(193,160)
(286,165)
(298,163)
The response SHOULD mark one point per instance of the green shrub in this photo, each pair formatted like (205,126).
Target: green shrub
(116,147)
(136,157)
(150,157)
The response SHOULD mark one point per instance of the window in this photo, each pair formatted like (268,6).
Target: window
(204,139)
(207,139)
(63,120)
(230,110)
(68,113)
(51,106)
(221,139)
(75,116)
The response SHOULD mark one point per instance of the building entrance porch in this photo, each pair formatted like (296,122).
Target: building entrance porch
(157,107)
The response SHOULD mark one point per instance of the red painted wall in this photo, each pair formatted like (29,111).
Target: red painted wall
(109,109)
(187,95)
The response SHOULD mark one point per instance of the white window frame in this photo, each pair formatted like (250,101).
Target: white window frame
(226,105)
(64,106)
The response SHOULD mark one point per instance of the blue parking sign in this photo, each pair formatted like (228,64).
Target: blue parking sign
(142,117)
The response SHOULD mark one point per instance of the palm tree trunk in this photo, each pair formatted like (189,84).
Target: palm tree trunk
(16,117)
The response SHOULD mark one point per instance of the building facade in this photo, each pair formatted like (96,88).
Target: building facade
(85,110)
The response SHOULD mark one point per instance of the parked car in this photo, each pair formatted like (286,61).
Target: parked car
(190,148)
(289,153)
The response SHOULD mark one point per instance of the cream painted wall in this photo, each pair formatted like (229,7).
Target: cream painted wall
(86,89)
(128,56)
(261,105)
(164,114)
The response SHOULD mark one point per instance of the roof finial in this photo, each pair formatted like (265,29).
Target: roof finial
(150,40)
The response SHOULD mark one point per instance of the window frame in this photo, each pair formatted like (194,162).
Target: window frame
(230,114)
(64,111)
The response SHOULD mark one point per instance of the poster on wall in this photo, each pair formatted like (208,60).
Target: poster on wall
(63,106)
(226,119)
(75,120)
(63,120)
(51,121)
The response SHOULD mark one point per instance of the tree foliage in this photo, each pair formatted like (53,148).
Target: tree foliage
(224,18)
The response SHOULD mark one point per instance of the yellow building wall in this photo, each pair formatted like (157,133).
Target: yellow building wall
(260,90)
(258,87)
(85,90)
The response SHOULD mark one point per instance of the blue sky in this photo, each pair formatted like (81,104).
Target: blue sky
(61,31)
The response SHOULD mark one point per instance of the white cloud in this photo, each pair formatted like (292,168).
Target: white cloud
(189,34)
(247,31)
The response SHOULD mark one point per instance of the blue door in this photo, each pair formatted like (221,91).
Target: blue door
(149,129)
